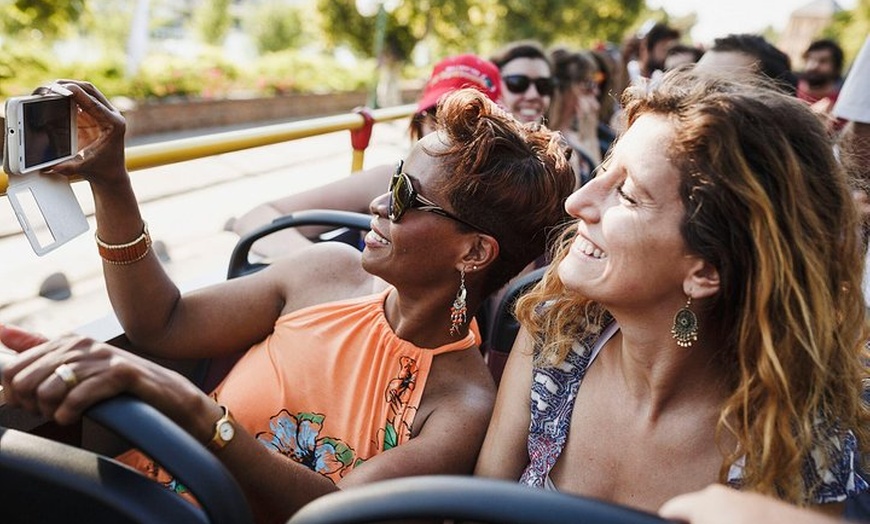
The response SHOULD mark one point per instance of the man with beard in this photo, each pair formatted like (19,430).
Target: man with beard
(821,78)
(655,42)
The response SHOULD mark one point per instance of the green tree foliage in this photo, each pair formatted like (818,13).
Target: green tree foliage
(40,19)
(461,25)
(212,20)
(571,21)
(110,31)
(850,28)
(342,24)
(275,26)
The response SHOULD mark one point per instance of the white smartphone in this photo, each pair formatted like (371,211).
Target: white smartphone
(41,131)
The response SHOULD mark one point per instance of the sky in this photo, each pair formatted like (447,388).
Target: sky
(720,17)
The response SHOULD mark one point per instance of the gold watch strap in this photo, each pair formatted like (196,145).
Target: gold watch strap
(220,439)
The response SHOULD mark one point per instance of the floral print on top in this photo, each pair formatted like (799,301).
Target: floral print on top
(554,390)
(331,387)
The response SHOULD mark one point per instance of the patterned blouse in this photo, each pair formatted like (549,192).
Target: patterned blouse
(554,390)
(330,388)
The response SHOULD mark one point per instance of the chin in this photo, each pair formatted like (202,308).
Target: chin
(367,263)
(570,277)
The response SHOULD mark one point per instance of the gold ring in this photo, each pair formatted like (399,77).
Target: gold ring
(65,373)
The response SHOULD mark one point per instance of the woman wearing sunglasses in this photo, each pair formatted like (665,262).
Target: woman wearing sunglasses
(354,193)
(574,111)
(338,386)
(527,81)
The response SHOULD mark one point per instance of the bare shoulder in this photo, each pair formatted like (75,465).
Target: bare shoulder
(321,273)
(459,385)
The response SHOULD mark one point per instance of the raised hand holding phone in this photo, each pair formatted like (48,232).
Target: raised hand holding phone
(41,132)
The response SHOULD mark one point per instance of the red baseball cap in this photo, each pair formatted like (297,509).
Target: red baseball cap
(460,71)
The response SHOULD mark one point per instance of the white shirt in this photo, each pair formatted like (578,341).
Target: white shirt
(854,100)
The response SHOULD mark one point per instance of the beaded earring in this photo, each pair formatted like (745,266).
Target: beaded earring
(458,311)
(685,330)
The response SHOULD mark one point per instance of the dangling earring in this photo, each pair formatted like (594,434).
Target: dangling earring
(685,330)
(457,310)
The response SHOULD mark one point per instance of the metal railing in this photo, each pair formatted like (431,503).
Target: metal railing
(180,150)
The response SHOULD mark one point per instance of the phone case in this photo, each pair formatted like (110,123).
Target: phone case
(14,162)
(46,209)
(9,149)
(45,204)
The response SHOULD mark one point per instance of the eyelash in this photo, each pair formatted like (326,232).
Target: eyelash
(623,195)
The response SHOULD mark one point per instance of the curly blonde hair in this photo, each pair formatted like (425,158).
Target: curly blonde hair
(769,206)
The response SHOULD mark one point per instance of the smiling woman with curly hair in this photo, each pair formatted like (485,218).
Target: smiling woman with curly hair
(702,320)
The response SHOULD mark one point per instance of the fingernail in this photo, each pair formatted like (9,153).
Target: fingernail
(59,89)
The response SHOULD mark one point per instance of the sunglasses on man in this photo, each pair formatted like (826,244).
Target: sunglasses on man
(403,197)
(520,84)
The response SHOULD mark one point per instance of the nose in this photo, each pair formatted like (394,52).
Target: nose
(585,203)
(532,91)
(379,206)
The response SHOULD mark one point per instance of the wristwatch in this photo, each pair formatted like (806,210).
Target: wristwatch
(224,431)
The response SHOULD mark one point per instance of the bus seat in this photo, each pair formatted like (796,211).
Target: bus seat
(504,328)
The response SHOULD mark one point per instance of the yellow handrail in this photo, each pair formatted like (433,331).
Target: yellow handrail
(180,150)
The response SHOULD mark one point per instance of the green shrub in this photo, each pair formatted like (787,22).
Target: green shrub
(210,75)
(22,68)
(162,76)
(292,72)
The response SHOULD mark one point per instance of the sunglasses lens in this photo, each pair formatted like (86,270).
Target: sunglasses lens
(520,84)
(400,193)
(544,86)
(517,83)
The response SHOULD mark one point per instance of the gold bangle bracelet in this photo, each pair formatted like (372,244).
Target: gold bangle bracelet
(128,253)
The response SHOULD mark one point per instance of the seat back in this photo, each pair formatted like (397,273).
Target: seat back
(348,226)
(240,263)
(503,330)
(498,326)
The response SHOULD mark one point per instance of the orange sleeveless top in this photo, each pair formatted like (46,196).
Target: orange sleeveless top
(332,386)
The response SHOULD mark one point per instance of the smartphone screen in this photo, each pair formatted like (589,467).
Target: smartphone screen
(46,127)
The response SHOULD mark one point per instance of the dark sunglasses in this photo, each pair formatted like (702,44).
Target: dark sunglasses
(403,197)
(520,84)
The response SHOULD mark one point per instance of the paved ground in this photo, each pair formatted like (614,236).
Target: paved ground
(186,206)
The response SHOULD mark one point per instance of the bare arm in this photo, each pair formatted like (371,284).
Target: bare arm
(221,319)
(353,193)
(447,442)
(505,454)
(717,504)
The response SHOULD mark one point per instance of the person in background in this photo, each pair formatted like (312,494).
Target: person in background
(819,83)
(681,54)
(607,77)
(527,80)
(574,111)
(750,54)
(853,106)
(355,192)
(357,367)
(822,74)
(611,111)
(702,320)
(654,41)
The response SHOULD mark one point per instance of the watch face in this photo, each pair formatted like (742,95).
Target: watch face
(226,431)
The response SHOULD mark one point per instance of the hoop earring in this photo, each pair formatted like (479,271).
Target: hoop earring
(685,330)
(458,311)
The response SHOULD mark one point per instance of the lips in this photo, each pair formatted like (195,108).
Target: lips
(374,237)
